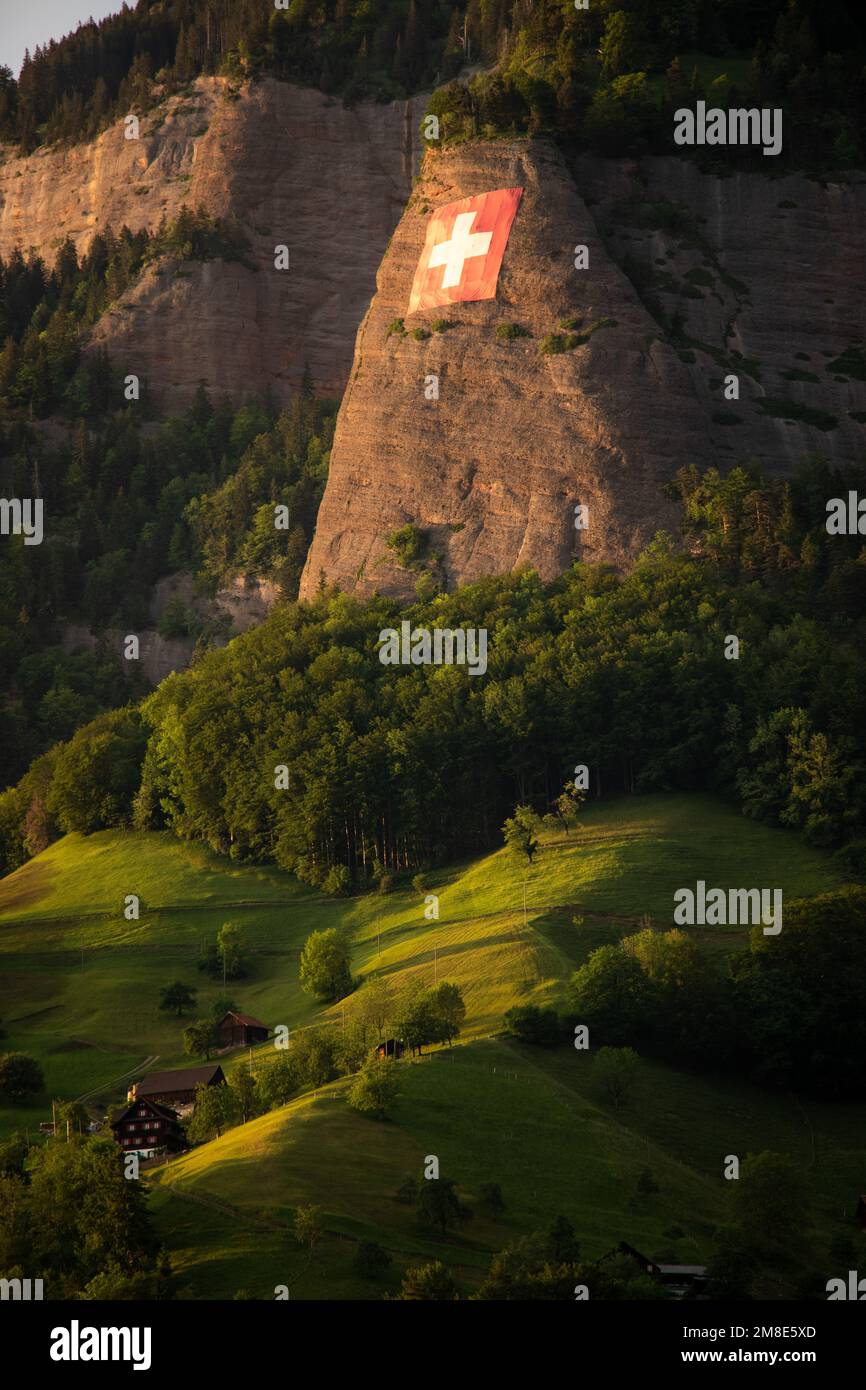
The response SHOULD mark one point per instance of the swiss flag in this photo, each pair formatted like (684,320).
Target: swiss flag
(464,249)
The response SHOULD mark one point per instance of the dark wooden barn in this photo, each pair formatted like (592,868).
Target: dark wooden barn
(176,1087)
(680,1281)
(241,1030)
(392,1047)
(148,1125)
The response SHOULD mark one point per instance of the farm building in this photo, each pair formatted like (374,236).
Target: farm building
(392,1047)
(147,1125)
(240,1030)
(176,1087)
(679,1280)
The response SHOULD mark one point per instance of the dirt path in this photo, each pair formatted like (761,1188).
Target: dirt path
(115,1081)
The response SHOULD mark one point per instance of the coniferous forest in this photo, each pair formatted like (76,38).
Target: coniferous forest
(608,75)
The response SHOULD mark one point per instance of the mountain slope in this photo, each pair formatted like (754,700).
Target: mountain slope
(294,167)
(491,470)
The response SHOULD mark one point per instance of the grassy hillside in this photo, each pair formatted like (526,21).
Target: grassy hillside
(80,984)
(80,989)
(490,1111)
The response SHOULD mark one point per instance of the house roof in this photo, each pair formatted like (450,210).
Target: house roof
(164,1112)
(246,1019)
(186,1079)
(694,1271)
(625,1249)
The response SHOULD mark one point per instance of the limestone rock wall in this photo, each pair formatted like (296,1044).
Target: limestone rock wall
(295,167)
(703,277)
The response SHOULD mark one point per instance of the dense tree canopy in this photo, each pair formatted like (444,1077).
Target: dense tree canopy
(582,74)
(296,744)
(787,1011)
(75,1219)
(124,504)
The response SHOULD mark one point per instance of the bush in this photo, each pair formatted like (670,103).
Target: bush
(555,343)
(507,332)
(410,545)
(370,1261)
(308,871)
(178,620)
(337,881)
(20,1076)
(532,1024)
(490,1199)
(852,857)
(407,1192)
(781,409)
(428,1283)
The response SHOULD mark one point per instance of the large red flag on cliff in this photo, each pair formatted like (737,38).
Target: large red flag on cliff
(464,249)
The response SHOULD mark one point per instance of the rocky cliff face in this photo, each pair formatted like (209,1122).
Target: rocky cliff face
(241,604)
(695,278)
(295,167)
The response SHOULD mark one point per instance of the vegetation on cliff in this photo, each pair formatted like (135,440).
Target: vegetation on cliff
(407,766)
(129,503)
(610,74)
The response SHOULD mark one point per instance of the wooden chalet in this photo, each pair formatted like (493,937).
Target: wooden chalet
(679,1280)
(176,1087)
(146,1125)
(392,1047)
(241,1030)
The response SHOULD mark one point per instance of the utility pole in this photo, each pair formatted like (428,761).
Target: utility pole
(524,906)
(435,967)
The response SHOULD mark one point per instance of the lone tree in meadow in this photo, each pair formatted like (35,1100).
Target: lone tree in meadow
(375,1087)
(20,1075)
(519,832)
(308,1227)
(200,1039)
(615,1069)
(215,1110)
(568,803)
(176,997)
(438,1204)
(490,1199)
(325,965)
(770,1187)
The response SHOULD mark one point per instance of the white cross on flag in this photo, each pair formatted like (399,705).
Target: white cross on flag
(464,249)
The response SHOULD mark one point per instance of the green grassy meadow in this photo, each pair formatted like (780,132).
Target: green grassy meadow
(79,990)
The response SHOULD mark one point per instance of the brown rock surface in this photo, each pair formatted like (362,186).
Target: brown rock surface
(241,604)
(296,168)
(516,439)
(493,469)
(778,269)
